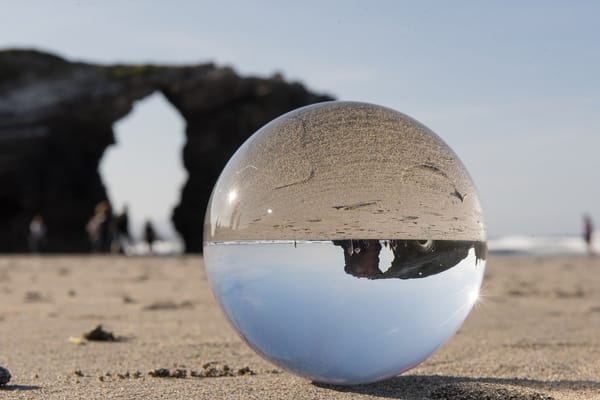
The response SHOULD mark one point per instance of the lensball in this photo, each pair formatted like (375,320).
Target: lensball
(345,242)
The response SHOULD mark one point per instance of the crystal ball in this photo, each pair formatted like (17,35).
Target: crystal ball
(345,242)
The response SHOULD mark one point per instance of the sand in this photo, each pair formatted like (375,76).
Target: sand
(535,334)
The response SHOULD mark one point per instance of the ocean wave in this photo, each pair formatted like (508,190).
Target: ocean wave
(541,245)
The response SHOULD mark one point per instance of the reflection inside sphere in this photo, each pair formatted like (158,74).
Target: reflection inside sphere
(412,258)
(301,305)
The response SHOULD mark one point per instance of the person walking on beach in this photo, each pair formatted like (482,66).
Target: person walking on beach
(100,228)
(588,231)
(37,233)
(149,236)
(122,236)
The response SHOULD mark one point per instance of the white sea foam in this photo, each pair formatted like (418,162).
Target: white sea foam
(160,247)
(541,245)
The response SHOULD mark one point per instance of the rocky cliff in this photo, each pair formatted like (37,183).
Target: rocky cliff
(56,121)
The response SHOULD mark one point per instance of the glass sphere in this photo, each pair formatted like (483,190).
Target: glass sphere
(345,242)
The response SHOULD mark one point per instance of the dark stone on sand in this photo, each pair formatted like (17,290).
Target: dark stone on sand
(215,369)
(167,373)
(56,120)
(100,335)
(160,373)
(4,376)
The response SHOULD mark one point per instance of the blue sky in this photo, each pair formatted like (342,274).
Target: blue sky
(513,87)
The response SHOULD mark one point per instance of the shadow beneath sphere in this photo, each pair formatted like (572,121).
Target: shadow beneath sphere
(418,387)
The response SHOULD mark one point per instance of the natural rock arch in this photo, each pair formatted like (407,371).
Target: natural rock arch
(56,121)
(144,170)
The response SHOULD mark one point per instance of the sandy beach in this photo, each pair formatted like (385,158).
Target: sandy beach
(535,334)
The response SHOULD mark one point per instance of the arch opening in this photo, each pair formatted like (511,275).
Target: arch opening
(144,171)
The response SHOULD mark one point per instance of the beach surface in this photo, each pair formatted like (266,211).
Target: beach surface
(534,334)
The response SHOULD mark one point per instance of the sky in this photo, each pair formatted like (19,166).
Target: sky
(512,87)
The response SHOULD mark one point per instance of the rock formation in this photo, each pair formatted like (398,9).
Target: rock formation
(56,121)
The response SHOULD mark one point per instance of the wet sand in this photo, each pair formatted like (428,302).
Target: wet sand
(535,334)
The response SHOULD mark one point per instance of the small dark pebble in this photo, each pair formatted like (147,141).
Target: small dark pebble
(160,373)
(127,375)
(4,376)
(100,335)
(480,392)
(78,372)
(245,371)
(179,373)
(215,369)
(166,373)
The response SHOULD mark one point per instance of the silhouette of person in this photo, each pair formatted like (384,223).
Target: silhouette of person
(588,233)
(149,236)
(37,233)
(100,228)
(122,237)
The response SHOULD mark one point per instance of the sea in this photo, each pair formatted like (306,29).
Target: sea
(541,245)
